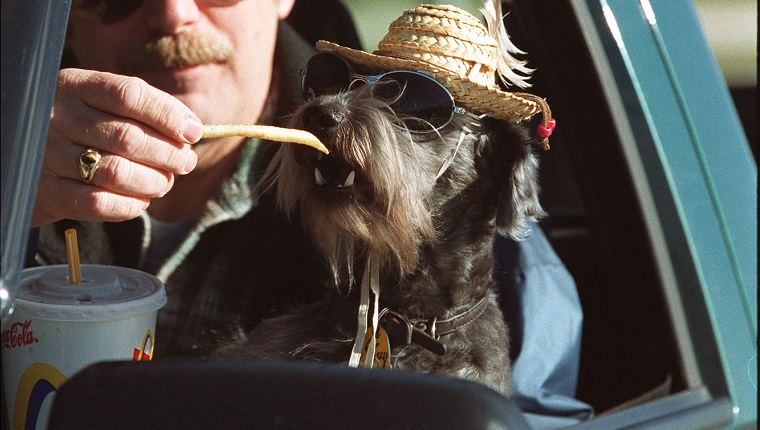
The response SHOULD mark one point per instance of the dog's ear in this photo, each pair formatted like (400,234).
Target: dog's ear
(518,200)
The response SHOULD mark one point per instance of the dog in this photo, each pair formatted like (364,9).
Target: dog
(406,206)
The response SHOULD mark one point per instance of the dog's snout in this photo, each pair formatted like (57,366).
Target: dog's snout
(320,119)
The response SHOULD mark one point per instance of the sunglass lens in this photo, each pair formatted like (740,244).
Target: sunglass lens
(324,74)
(424,102)
(106,11)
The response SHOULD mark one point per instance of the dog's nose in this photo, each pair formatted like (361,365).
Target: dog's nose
(321,119)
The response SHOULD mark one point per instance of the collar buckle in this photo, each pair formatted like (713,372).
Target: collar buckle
(421,332)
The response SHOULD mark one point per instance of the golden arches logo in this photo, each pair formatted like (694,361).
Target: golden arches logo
(37,382)
(141,354)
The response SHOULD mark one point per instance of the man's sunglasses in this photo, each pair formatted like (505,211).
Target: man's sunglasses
(114,11)
(424,103)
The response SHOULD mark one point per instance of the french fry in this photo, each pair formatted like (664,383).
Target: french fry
(278,134)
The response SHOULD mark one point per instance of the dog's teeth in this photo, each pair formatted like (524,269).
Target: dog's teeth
(350,179)
(319,156)
(318,178)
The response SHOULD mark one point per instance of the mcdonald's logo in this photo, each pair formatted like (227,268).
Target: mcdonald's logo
(38,381)
(142,354)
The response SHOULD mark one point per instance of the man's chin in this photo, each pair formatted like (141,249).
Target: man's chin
(199,87)
(181,80)
(211,108)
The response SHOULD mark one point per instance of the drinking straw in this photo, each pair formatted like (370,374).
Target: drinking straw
(72,256)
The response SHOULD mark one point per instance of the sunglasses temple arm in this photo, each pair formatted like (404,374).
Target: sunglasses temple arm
(449,160)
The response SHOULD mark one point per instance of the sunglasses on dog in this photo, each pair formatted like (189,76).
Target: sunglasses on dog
(114,11)
(425,101)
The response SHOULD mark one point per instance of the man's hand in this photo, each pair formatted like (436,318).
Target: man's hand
(143,135)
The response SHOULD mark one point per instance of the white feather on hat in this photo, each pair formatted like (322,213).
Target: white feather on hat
(462,54)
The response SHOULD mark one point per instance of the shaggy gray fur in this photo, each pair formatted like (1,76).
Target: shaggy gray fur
(433,236)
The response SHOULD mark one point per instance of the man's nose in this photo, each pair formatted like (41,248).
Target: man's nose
(172,16)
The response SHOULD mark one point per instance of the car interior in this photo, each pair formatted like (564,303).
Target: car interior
(629,351)
(595,224)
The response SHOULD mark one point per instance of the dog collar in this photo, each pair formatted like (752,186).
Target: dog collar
(427,332)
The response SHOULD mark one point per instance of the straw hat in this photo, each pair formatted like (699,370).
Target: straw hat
(455,47)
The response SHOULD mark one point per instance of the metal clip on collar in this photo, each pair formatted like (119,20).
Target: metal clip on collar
(401,327)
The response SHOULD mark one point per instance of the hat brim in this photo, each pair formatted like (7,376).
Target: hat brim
(478,98)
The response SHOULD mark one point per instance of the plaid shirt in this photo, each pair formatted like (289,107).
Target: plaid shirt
(236,263)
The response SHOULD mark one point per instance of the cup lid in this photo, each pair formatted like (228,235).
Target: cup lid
(105,293)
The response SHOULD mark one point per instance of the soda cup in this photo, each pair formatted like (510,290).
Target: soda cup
(55,328)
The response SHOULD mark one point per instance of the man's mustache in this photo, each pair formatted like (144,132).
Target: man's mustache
(177,51)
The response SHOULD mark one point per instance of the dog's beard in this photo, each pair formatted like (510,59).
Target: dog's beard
(381,213)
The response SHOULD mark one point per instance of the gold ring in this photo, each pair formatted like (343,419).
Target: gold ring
(89,162)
